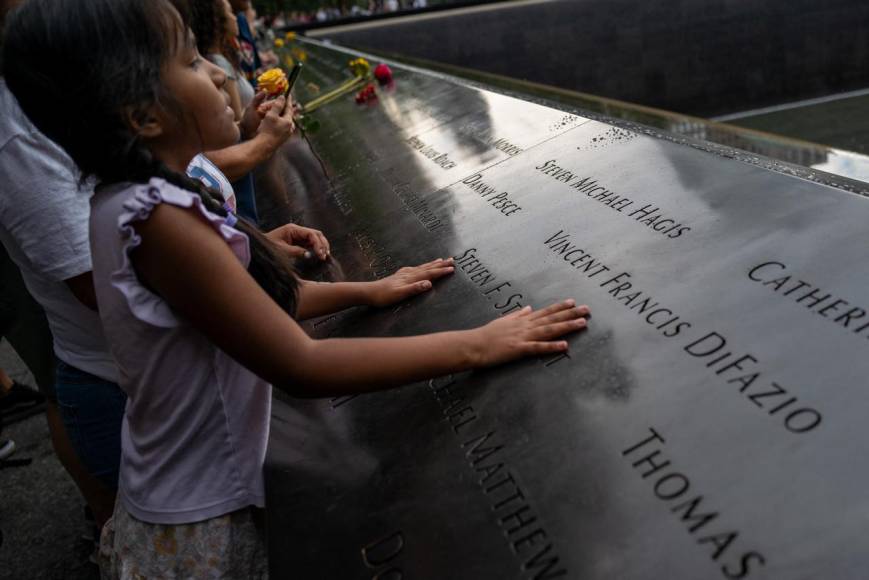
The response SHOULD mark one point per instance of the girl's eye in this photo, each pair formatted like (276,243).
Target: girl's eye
(196,61)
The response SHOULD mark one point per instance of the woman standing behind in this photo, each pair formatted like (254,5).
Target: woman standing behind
(216,31)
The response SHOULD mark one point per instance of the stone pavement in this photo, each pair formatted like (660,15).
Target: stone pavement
(41,511)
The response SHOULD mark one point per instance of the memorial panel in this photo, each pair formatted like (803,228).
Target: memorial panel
(710,422)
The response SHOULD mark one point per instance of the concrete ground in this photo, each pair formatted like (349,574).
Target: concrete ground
(41,511)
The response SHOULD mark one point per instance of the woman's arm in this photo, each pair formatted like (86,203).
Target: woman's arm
(192,268)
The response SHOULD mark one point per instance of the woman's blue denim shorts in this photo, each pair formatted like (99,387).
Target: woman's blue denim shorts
(92,410)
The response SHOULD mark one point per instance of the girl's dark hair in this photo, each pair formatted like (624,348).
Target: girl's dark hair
(77,66)
(208,22)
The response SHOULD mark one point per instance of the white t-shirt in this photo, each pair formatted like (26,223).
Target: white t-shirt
(44,227)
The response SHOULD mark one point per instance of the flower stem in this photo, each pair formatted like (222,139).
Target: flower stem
(343,89)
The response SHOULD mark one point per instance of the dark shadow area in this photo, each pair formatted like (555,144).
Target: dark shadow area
(699,57)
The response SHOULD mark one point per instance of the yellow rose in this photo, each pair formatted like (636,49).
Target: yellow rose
(273,81)
(279,43)
(360,67)
(290,36)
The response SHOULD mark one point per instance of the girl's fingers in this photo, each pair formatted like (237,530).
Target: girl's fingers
(321,245)
(521,313)
(544,347)
(436,273)
(420,273)
(293,251)
(553,308)
(561,316)
(415,288)
(440,262)
(550,331)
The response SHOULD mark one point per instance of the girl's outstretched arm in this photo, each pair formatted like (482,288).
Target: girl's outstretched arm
(184,260)
(319,298)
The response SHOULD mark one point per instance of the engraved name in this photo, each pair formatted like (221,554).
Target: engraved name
(502,294)
(442,160)
(648,214)
(675,488)
(499,200)
(736,367)
(486,455)
(380,262)
(380,555)
(420,209)
(507,147)
(484,278)
(777,277)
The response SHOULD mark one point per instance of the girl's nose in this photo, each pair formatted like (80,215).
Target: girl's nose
(217,75)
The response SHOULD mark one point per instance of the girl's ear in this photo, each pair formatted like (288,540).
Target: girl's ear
(145,122)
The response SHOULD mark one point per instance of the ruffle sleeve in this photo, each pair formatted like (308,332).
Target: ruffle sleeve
(144,304)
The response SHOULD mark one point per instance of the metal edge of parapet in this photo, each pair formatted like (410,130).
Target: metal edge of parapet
(838,181)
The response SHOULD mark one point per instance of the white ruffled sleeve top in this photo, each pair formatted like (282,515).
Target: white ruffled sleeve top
(196,425)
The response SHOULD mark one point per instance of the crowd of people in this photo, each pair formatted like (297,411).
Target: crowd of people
(128,137)
(323,13)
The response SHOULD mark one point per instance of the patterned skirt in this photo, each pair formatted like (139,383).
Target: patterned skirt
(228,546)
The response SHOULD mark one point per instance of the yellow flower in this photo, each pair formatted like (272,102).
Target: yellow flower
(290,36)
(288,61)
(279,43)
(360,67)
(300,54)
(273,81)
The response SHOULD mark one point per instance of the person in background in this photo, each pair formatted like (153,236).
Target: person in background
(15,396)
(216,29)
(212,22)
(263,37)
(250,60)
(43,227)
(238,162)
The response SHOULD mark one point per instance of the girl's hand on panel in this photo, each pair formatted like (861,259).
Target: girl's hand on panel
(252,116)
(407,282)
(294,239)
(526,332)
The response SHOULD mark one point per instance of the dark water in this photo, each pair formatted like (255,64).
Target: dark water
(838,121)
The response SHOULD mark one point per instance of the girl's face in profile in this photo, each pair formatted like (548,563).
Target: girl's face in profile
(231,22)
(202,117)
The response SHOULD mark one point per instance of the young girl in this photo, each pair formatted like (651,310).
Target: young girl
(198,306)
